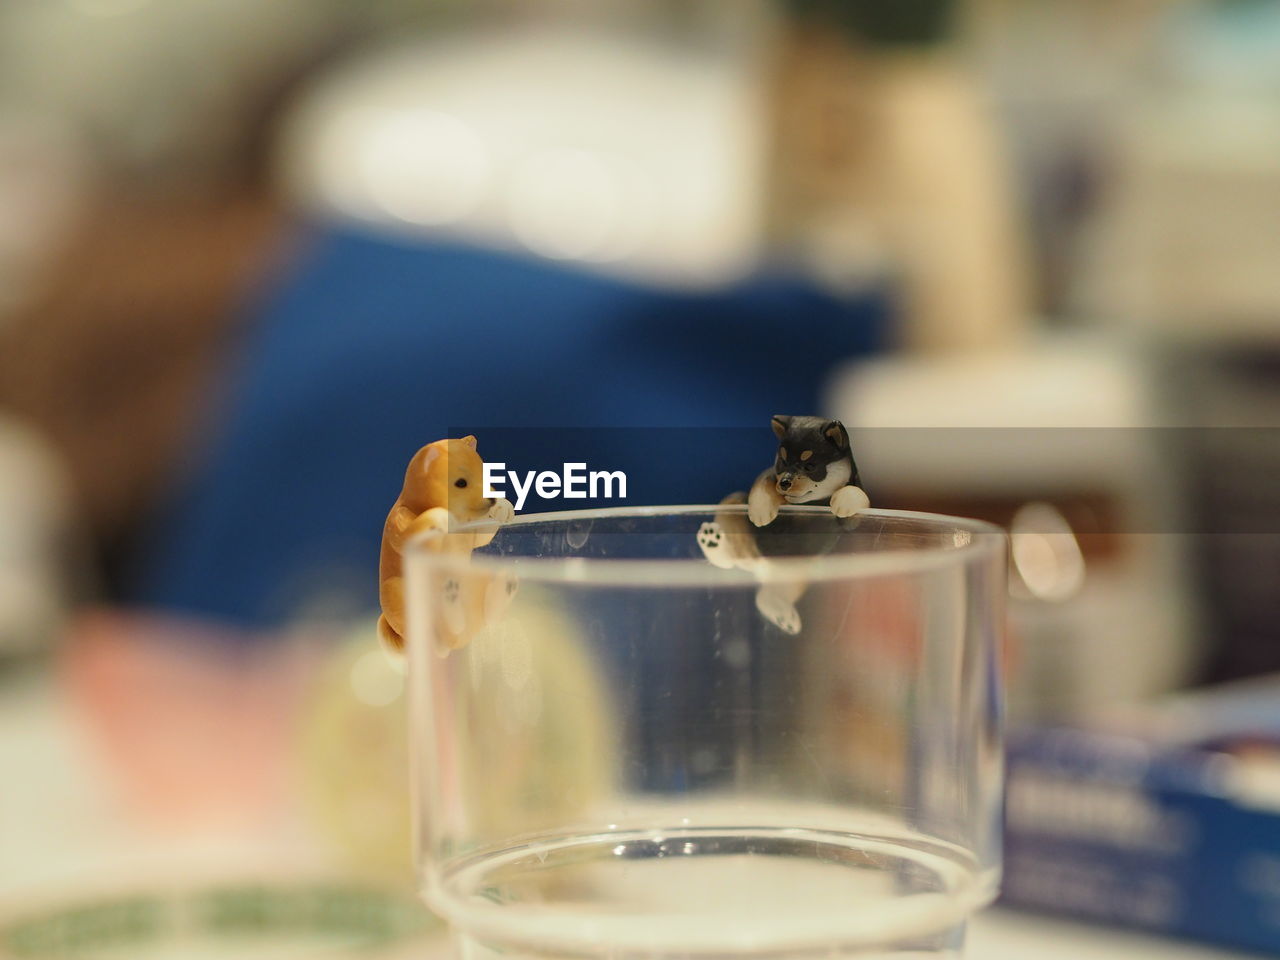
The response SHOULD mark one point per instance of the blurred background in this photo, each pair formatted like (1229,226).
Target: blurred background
(253,255)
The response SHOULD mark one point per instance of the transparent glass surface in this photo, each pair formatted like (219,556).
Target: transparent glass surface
(641,753)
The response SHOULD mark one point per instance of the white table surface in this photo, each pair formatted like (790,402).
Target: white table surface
(1000,934)
(56,834)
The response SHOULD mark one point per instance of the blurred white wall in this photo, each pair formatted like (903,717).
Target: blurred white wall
(614,150)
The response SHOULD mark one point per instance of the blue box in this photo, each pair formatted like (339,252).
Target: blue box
(1168,821)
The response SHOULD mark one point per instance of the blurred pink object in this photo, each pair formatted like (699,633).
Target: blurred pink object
(194,722)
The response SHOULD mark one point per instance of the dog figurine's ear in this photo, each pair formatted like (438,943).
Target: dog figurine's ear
(835,432)
(780,425)
(470,441)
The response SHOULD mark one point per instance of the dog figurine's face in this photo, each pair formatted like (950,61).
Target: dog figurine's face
(813,459)
(448,473)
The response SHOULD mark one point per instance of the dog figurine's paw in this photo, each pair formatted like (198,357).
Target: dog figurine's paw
(847,501)
(454,613)
(497,596)
(430,523)
(502,511)
(761,508)
(775,607)
(714,545)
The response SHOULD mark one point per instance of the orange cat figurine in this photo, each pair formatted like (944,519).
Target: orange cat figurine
(443,487)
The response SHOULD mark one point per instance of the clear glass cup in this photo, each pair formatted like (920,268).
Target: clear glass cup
(641,753)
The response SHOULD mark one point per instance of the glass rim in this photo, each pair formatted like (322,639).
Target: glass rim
(974,540)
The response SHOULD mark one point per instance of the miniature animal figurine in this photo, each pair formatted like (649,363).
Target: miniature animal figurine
(443,487)
(813,464)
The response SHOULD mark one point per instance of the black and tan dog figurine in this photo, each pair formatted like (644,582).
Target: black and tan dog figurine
(813,465)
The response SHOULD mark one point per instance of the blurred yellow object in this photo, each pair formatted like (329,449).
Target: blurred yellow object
(547,762)
(354,757)
(355,752)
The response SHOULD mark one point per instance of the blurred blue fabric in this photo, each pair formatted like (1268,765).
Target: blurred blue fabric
(368,347)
